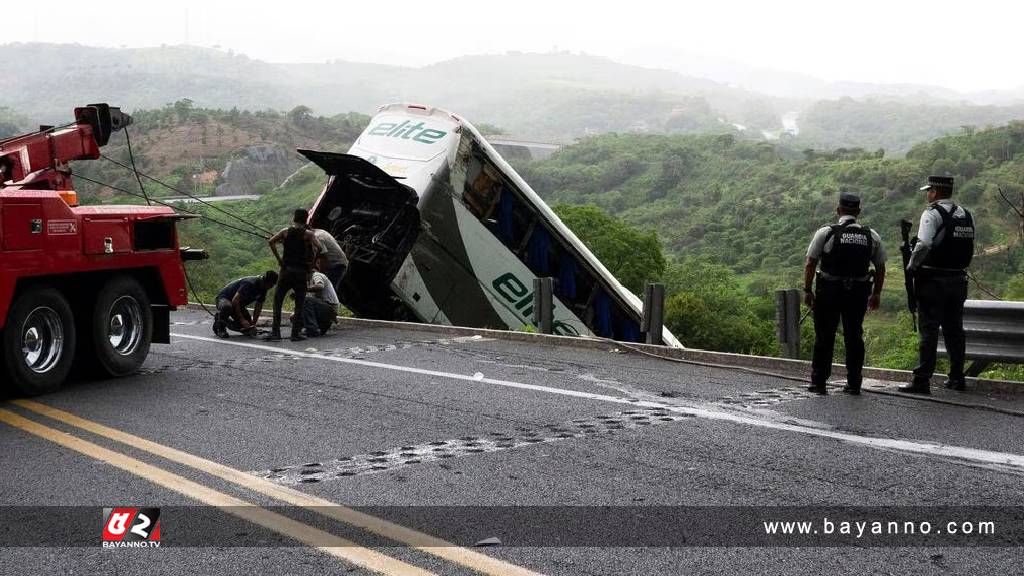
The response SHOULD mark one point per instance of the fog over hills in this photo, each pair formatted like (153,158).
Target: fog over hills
(556,96)
(782,83)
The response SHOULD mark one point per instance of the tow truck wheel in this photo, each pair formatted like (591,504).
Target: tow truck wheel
(39,341)
(122,327)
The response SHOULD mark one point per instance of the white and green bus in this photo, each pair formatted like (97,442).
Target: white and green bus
(440,229)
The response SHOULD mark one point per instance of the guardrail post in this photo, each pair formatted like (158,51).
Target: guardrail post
(787,321)
(653,318)
(793,298)
(543,304)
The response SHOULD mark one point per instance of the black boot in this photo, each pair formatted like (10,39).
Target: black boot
(953,384)
(272,337)
(817,388)
(916,387)
(851,389)
(219,328)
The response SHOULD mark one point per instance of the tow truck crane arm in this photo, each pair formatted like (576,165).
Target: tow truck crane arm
(38,161)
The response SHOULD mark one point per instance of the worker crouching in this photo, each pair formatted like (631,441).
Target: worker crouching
(321,307)
(234,299)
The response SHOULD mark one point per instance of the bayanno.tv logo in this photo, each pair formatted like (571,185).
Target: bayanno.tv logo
(131,527)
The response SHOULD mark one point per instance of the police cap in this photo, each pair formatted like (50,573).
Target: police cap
(939,183)
(847,200)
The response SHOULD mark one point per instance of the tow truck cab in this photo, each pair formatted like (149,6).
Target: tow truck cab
(83,289)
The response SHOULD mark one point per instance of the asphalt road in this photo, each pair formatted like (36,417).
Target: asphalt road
(466,439)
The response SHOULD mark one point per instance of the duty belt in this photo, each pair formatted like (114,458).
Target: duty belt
(930,271)
(834,278)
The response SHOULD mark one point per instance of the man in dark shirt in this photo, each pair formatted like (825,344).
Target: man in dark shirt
(300,251)
(234,299)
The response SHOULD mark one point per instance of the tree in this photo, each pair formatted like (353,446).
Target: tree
(1015,289)
(263,187)
(708,309)
(300,115)
(633,256)
(183,108)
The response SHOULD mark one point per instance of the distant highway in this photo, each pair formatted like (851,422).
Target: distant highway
(479,456)
(537,150)
(193,200)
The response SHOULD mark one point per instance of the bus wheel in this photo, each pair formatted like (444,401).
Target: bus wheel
(122,327)
(38,341)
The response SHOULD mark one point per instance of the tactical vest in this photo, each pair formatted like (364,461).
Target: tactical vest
(296,251)
(851,251)
(956,249)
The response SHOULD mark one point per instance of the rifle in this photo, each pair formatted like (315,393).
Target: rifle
(906,248)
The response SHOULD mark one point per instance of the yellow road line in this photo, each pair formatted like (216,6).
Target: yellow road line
(470,559)
(314,537)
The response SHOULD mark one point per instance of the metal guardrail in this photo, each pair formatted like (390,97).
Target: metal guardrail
(995,333)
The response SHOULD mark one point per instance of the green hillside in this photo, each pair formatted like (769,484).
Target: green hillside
(754,206)
(892,125)
(190,147)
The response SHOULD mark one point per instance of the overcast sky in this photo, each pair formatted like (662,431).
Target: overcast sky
(962,45)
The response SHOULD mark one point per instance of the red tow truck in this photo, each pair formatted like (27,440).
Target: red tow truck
(83,289)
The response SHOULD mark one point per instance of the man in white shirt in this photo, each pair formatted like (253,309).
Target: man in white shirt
(335,260)
(321,306)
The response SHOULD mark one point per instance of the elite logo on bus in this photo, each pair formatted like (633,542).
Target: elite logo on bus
(406,132)
(520,297)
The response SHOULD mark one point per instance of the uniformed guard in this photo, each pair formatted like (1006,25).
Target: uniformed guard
(845,251)
(944,248)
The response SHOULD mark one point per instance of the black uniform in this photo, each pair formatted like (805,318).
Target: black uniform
(940,281)
(296,265)
(843,286)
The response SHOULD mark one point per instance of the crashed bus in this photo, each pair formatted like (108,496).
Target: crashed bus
(440,229)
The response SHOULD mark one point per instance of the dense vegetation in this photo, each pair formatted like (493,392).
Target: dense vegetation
(892,125)
(753,206)
(735,217)
(634,256)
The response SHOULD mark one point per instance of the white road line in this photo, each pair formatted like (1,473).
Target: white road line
(987,457)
